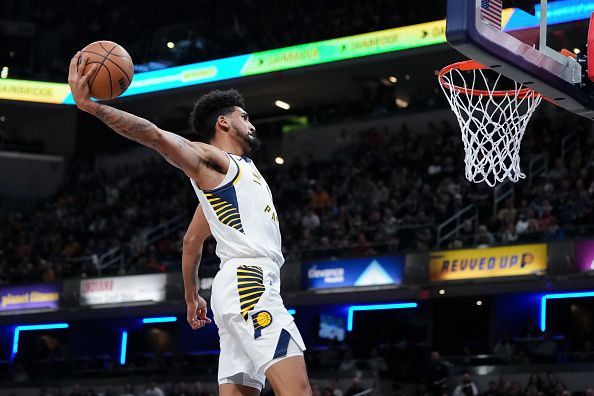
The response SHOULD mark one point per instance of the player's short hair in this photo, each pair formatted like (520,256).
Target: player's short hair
(209,107)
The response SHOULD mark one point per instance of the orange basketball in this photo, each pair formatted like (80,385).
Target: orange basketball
(115,71)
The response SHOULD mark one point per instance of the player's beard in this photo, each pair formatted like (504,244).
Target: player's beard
(248,143)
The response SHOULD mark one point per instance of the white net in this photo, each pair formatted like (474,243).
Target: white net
(492,121)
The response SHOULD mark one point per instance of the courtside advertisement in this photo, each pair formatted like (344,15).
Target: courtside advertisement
(123,289)
(42,296)
(368,271)
(488,263)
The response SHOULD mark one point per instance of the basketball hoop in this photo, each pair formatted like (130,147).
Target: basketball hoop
(492,120)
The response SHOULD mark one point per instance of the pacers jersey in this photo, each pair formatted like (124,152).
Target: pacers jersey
(241,215)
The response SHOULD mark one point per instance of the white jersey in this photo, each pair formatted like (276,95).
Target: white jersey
(241,215)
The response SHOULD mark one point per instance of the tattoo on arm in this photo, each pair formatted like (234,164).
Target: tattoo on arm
(126,124)
(135,128)
(180,144)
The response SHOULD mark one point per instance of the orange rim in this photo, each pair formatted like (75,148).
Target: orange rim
(474,65)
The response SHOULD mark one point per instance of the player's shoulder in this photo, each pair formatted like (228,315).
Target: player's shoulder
(206,147)
(211,154)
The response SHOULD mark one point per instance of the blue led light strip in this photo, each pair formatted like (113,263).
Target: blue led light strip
(18,329)
(557,296)
(123,346)
(160,319)
(376,307)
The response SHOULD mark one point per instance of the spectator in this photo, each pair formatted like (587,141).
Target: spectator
(510,235)
(153,390)
(198,389)
(320,198)
(327,391)
(329,356)
(516,389)
(348,364)
(362,247)
(467,233)
(76,390)
(558,172)
(484,237)
(547,348)
(546,220)
(551,384)
(534,381)
(109,391)
(467,387)
(310,221)
(504,348)
(336,390)
(492,390)
(20,374)
(437,375)
(523,224)
(128,390)
(508,214)
(377,363)
(532,391)
(315,389)
(57,391)
(356,387)
(503,385)
(182,389)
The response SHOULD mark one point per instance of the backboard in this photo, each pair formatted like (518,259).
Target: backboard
(473,28)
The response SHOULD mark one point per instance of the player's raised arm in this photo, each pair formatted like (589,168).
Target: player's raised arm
(190,157)
(194,238)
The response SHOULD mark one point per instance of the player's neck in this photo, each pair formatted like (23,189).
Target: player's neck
(228,146)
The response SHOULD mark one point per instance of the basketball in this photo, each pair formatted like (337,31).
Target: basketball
(115,69)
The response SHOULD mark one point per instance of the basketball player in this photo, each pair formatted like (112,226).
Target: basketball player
(257,335)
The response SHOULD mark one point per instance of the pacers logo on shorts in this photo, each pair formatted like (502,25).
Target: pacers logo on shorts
(261,320)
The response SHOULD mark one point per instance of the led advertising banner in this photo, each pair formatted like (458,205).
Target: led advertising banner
(380,42)
(368,271)
(33,91)
(584,255)
(488,263)
(557,12)
(41,296)
(123,289)
(252,64)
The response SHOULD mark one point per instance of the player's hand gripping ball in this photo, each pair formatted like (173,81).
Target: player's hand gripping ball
(114,71)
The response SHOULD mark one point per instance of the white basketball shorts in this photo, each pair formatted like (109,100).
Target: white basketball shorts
(255,329)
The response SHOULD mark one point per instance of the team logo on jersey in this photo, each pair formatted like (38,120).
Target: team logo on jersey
(261,320)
